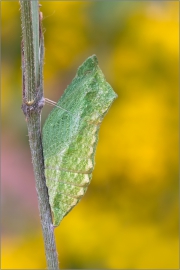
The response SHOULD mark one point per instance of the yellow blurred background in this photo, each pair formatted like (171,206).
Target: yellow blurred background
(128,218)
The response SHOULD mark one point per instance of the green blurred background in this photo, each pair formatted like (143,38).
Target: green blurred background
(129,217)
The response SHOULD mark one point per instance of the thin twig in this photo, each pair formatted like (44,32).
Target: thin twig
(33,101)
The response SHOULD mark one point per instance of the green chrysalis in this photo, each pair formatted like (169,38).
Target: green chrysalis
(70,137)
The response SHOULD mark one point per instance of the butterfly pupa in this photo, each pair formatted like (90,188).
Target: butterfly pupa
(70,139)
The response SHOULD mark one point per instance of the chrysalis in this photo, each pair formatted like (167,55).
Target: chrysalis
(70,137)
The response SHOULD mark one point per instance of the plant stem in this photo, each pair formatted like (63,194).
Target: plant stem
(33,101)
